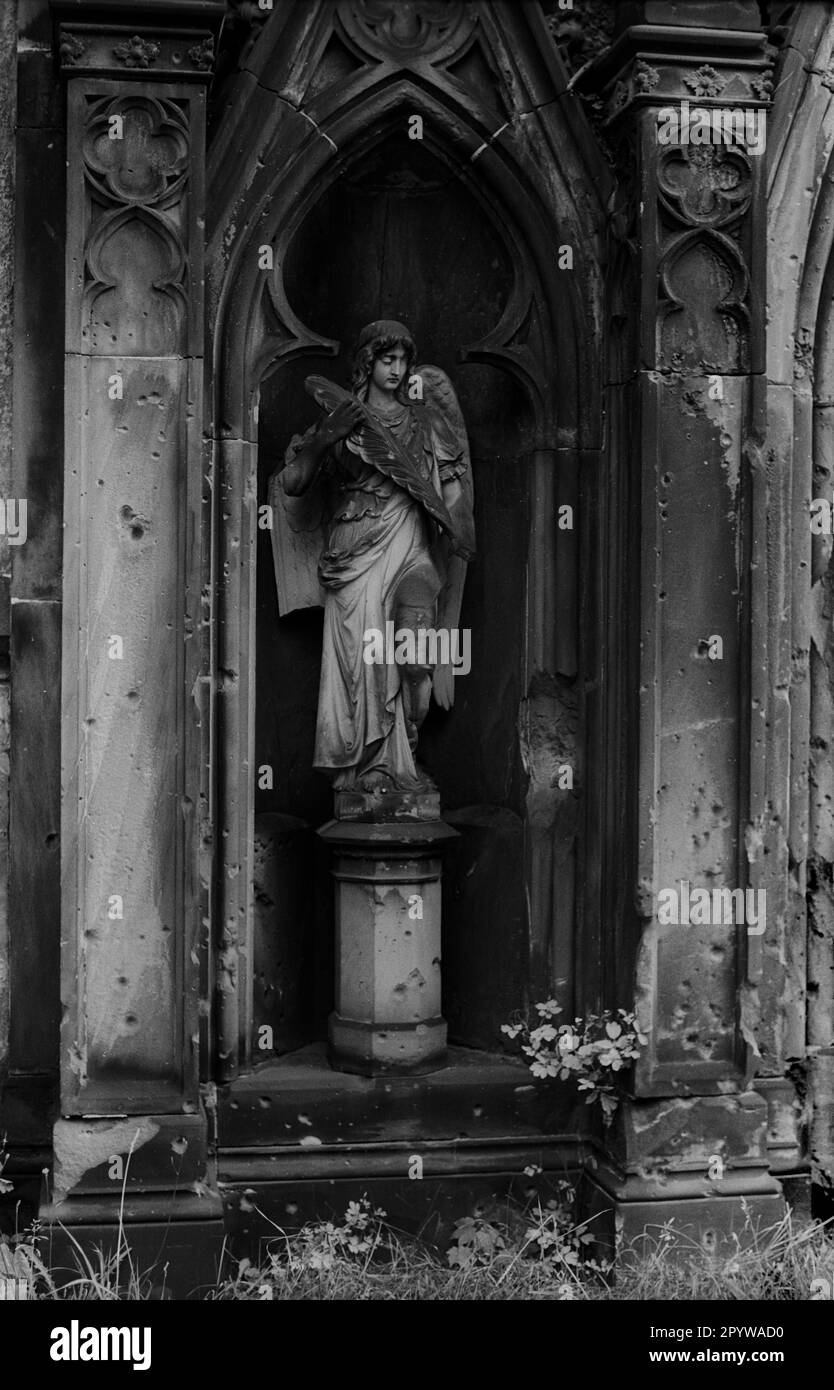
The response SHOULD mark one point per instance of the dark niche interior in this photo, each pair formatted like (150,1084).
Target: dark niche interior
(400,236)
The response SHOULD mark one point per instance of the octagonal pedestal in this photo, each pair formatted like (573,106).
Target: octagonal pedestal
(388,903)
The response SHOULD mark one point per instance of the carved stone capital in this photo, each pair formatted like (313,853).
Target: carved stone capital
(147,40)
(660,65)
(187,55)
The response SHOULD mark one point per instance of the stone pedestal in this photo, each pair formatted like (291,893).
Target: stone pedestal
(387,1016)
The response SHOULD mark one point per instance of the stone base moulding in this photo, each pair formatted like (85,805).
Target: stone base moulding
(625,1209)
(698,1164)
(388,913)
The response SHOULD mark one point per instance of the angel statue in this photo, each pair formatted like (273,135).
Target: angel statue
(373,517)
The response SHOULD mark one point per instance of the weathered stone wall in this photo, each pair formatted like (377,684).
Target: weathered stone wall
(714,772)
(8,90)
(35,616)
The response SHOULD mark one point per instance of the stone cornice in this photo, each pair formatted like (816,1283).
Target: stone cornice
(652,64)
(147,40)
(179,13)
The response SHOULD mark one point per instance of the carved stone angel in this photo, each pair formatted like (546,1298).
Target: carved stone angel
(379,494)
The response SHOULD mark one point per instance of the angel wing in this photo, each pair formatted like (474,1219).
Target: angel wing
(459,495)
(444,408)
(297,538)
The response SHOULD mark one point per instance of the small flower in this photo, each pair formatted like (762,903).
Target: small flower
(705,82)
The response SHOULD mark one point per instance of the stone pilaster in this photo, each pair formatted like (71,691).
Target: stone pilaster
(134,911)
(693,238)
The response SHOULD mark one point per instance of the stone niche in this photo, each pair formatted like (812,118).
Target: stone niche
(399,235)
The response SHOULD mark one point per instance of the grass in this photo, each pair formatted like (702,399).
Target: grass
(537,1255)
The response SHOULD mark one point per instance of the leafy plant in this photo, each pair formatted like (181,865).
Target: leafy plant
(320,1245)
(5,1184)
(556,1238)
(589,1052)
(475,1244)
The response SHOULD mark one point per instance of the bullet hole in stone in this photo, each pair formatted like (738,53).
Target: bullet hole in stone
(51,838)
(131,1020)
(666,479)
(662,594)
(133,696)
(101,482)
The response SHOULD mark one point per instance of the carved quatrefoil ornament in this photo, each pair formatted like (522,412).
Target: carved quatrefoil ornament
(148,160)
(705,185)
(409,28)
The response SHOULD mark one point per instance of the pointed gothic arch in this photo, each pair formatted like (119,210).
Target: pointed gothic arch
(318,90)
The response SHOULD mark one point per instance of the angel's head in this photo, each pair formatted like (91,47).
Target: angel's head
(385,354)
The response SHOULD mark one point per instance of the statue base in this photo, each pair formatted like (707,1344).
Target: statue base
(388,903)
(388,807)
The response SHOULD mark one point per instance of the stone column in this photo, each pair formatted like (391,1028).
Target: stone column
(692,1140)
(134,910)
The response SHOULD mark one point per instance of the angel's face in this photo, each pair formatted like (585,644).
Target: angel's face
(389,368)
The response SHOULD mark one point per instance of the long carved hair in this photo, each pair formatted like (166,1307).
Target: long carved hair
(375,339)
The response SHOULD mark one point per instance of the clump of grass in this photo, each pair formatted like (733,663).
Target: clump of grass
(773,1263)
(538,1254)
(546,1258)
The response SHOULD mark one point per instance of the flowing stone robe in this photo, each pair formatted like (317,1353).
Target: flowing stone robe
(379,544)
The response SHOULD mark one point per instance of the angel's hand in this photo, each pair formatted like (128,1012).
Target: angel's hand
(341,422)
